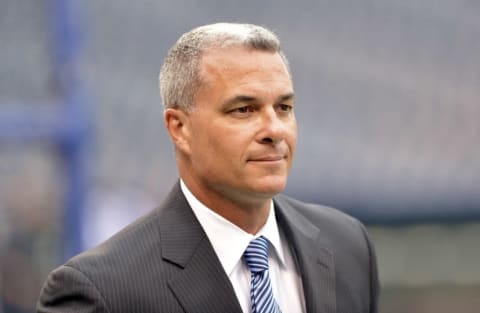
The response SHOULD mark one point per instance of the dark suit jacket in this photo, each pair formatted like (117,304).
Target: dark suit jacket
(164,262)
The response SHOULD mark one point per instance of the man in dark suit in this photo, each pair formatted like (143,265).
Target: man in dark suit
(229,110)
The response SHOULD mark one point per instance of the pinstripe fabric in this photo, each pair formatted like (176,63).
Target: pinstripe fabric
(256,256)
(165,263)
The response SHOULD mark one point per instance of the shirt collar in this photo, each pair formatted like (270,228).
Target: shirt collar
(228,240)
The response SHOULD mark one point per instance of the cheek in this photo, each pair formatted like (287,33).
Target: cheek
(231,136)
(292,136)
(226,148)
(214,149)
(220,143)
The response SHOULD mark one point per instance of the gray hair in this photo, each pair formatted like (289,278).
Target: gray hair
(179,76)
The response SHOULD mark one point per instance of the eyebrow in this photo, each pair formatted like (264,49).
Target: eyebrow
(247,99)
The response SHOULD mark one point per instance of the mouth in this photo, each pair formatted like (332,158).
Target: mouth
(268,158)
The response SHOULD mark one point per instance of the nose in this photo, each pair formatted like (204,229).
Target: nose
(273,128)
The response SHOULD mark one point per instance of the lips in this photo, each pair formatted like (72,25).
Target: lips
(268,157)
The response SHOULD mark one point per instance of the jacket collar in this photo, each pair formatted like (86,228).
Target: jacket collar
(315,261)
(202,286)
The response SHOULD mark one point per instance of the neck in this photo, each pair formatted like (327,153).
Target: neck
(249,213)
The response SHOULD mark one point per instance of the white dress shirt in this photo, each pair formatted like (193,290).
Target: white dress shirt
(230,241)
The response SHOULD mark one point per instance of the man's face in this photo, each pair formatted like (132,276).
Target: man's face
(242,128)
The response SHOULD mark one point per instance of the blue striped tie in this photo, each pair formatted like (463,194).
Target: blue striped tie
(256,256)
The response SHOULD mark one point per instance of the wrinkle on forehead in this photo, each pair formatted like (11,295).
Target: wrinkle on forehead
(239,71)
(219,63)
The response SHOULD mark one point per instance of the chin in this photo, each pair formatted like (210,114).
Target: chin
(270,187)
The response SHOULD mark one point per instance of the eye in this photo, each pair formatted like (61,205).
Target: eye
(243,110)
(285,107)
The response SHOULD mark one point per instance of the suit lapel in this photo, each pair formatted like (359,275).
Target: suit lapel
(315,262)
(202,285)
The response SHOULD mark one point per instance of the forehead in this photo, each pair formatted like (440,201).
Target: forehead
(236,64)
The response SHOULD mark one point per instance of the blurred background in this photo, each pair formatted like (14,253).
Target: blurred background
(388,106)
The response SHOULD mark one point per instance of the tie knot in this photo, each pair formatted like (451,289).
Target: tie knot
(256,255)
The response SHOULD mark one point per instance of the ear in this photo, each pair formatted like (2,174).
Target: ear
(178,126)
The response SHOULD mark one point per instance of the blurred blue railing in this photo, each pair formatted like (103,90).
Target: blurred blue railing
(67,123)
